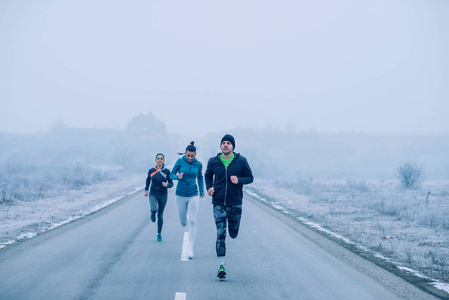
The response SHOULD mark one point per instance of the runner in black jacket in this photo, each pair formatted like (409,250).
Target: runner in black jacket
(160,180)
(225,176)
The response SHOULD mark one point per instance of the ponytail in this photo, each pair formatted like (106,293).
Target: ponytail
(190,148)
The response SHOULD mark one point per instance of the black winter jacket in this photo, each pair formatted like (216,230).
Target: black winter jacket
(217,176)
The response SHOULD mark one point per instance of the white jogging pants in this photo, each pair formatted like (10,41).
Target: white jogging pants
(188,211)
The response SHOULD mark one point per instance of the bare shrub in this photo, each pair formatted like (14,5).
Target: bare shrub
(359,186)
(410,175)
(5,197)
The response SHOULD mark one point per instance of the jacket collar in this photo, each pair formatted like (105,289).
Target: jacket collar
(163,167)
(236,155)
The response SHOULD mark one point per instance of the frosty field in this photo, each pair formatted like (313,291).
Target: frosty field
(25,219)
(408,227)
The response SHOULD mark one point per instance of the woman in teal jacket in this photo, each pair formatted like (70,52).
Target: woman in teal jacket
(188,170)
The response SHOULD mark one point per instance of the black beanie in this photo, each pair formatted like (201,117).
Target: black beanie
(228,138)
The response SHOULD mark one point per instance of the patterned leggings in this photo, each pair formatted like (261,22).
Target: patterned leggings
(232,214)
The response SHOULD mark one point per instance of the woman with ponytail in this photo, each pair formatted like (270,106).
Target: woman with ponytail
(188,171)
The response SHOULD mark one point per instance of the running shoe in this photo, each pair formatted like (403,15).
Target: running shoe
(159,237)
(153,217)
(221,272)
(190,253)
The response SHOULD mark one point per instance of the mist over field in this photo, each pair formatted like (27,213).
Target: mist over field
(33,165)
(73,157)
(288,155)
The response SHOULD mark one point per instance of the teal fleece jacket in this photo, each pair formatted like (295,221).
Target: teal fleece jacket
(187,186)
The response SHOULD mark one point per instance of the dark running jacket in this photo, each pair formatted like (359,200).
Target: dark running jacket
(217,176)
(156,178)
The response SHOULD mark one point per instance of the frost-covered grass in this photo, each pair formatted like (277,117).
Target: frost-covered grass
(18,183)
(21,219)
(408,226)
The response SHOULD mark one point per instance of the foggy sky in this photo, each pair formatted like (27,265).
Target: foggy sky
(200,66)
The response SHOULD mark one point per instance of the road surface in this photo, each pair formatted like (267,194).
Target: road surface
(113,254)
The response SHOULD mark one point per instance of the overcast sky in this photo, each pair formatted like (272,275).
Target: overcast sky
(331,66)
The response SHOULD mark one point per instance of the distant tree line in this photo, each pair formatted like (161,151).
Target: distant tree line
(32,165)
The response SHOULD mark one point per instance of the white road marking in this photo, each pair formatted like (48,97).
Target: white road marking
(180,296)
(185,244)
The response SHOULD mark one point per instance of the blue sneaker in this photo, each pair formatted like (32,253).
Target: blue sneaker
(159,237)
(153,217)
(221,272)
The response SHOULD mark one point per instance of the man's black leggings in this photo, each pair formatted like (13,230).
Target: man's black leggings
(222,214)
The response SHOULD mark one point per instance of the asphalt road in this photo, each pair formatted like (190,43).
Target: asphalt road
(113,254)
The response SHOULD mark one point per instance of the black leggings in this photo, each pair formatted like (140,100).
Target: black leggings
(157,205)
